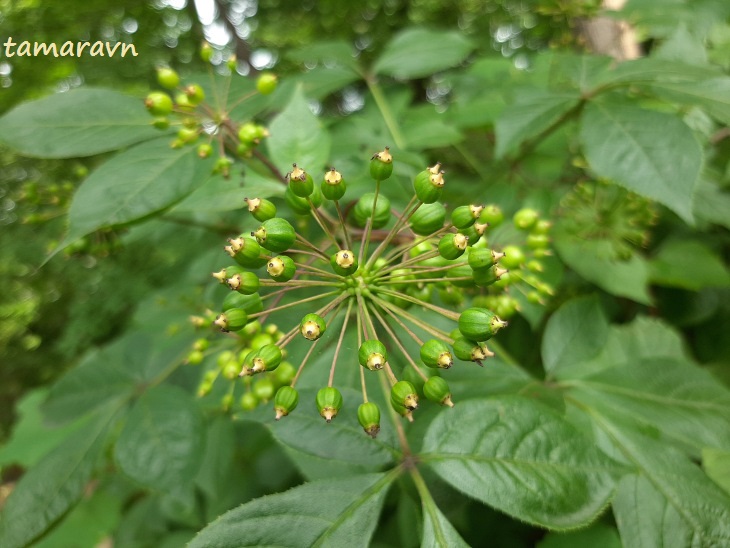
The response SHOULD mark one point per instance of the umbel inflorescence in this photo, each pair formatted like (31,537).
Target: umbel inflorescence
(378,281)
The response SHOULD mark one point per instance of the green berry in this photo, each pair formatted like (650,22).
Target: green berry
(469,351)
(248,133)
(206,52)
(435,353)
(246,251)
(472,233)
(296,203)
(285,373)
(538,241)
(266,83)
(276,235)
(281,268)
(183,103)
(514,257)
(225,273)
(167,78)
(264,389)
(312,327)
(252,304)
(158,103)
(261,208)
(429,184)
(428,219)
(195,357)
(381,165)
(481,258)
(195,94)
(249,401)
(403,393)
(372,354)
(437,390)
(491,215)
(525,218)
(205,150)
(344,262)
(479,324)
(300,182)
(187,135)
(266,358)
(364,207)
(285,401)
(329,402)
(233,319)
(333,186)
(245,282)
(452,246)
(464,272)
(368,415)
(161,122)
(465,216)
(485,277)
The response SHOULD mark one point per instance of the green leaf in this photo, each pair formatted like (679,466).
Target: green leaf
(48,490)
(575,333)
(716,463)
(596,536)
(324,51)
(297,137)
(711,95)
(339,512)
(532,112)
(417,52)
(651,153)
(162,440)
(593,260)
(221,194)
(688,264)
(521,458)
(438,531)
(649,69)
(322,81)
(424,127)
(136,183)
(712,203)
(82,122)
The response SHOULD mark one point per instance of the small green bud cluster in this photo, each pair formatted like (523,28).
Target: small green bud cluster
(362,274)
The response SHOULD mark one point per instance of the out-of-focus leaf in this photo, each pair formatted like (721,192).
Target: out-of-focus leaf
(688,264)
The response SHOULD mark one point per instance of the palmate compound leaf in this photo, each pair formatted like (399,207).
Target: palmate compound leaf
(521,458)
(335,512)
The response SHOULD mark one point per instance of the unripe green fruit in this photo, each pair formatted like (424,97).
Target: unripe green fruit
(479,324)
(452,246)
(492,215)
(158,103)
(404,394)
(329,402)
(276,235)
(333,186)
(485,277)
(514,257)
(205,150)
(195,357)
(285,401)
(437,390)
(244,282)
(435,353)
(206,52)
(252,304)
(451,295)
(364,207)
(428,219)
(372,354)
(381,165)
(246,251)
(167,77)
(538,241)
(266,83)
(300,182)
(264,389)
(201,345)
(465,216)
(472,233)
(542,226)
(344,262)
(266,358)
(297,204)
(195,94)
(261,208)
(223,274)
(463,271)
(183,103)
(429,183)
(232,63)
(312,327)
(285,373)
(249,401)
(261,340)
(469,351)
(233,319)
(481,258)
(506,306)
(525,218)
(399,277)
(161,122)
(187,136)
(248,133)
(368,415)
(281,268)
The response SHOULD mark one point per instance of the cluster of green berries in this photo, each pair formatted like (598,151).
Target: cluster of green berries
(369,267)
(199,121)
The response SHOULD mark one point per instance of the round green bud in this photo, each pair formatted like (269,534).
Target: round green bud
(465,216)
(525,218)
(542,226)
(276,235)
(485,277)
(232,63)
(333,186)
(205,150)
(329,402)
(252,304)
(285,373)
(158,103)
(428,219)
(195,357)
(372,354)
(464,273)
(244,282)
(187,136)
(429,184)
(297,204)
(535,266)
(266,83)
(285,401)
(264,389)
(364,208)
(368,415)
(245,251)
(266,358)
(300,182)
(538,241)
(161,122)
(514,257)
(435,353)
(249,401)
(233,319)
(451,295)
(491,215)
(167,77)
(248,133)
(201,345)
(281,268)
(195,94)
(470,351)
(452,246)
(437,390)
(404,394)
(481,258)
(344,262)
(183,103)
(261,208)
(381,165)
(312,327)
(479,324)
(206,52)
(223,274)
(506,306)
